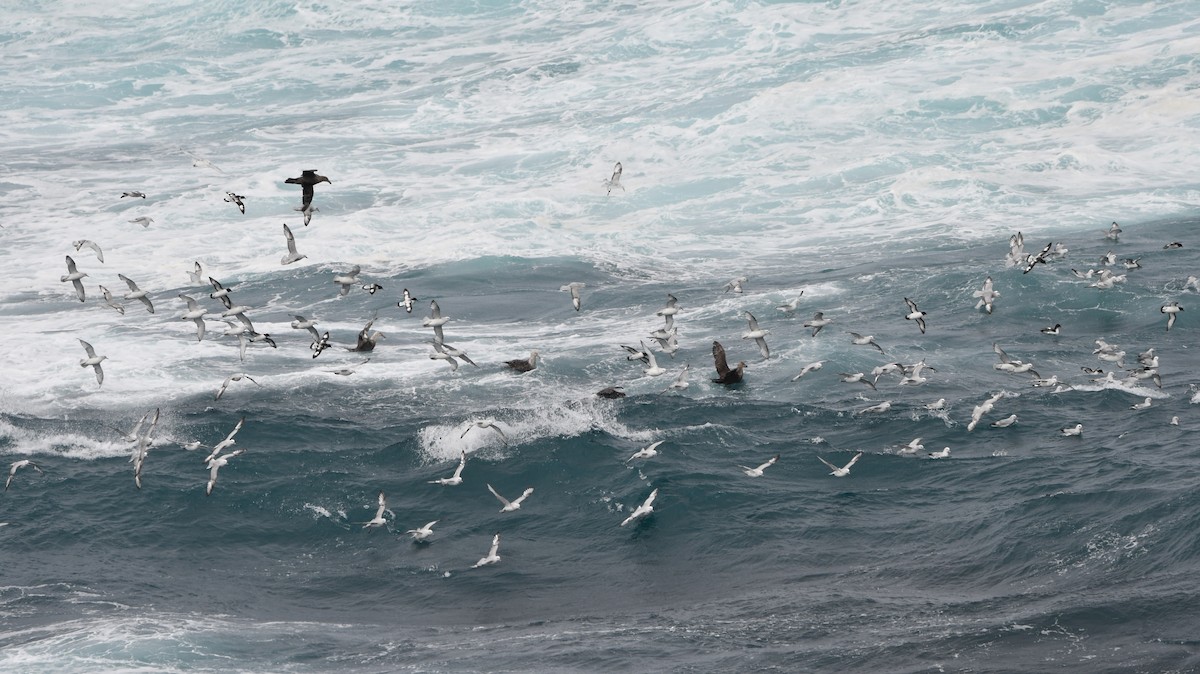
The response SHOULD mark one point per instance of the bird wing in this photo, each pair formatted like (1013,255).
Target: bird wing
(502,499)
(751,320)
(434,310)
(718,352)
(462,463)
(128,281)
(852,461)
(831,466)
(88,347)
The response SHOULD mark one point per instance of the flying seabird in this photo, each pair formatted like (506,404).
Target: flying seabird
(485,423)
(439,353)
(292,255)
(852,377)
(1172,310)
(407,302)
(93,360)
(219,290)
(378,520)
(420,534)
(492,555)
(90,244)
(236,200)
(844,470)
(524,365)
(864,340)
(371,288)
(435,320)
(347,371)
(142,220)
(757,472)
(456,478)
(757,334)
(108,299)
(348,279)
(17,465)
(215,465)
(615,180)
(135,293)
(817,322)
(652,367)
(1173,245)
(646,452)
(73,275)
(232,378)
(142,449)
(915,314)
(457,353)
(226,443)
(194,313)
(196,276)
(135,195)
(811,367)
(671,309)
(724,374)
(1113,232)
(573,288)
(307,180)
(514,504)
(643,510)
(877,408)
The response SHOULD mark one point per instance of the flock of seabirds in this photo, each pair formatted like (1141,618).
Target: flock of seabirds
(1111,272)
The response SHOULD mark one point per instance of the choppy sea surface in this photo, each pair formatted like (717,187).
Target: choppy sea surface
(844,155)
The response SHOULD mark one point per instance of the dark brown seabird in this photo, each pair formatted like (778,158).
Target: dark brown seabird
(307,179)
(724,374)
(367,339)
(524,365)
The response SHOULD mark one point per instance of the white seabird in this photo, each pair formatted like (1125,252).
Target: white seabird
(227,442)
(643,510)
(214,466)
(647,452)
(1142,405)
(817,322)
(196,275)
(292,255)
(864,340)
(1172,310)
(348,279)
(652,368)
(757,334)
(573,288)
(421,533)
(93,360)
(672,307)
(853,377)
(811,367)
(514,504)
(73,275)
(1072,431)
(456,478)
(681,381)
(912,447)
(435,320)
(789,308)
(1005,422)
(136,293)
(232,378)
(17,465)
(615,181)
(485,423)
(757,472)
(439,353)
(142,220)
(844,470)
(379,520)
(108,299)
(987,295)
(944,454)
(492,555)
(90,244)
(1113,232)
(735,285)
(194,313)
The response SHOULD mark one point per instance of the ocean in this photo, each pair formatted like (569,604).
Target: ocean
(844,155)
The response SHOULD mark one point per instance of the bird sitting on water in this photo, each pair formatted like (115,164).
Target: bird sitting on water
(725,375)
(524,365)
